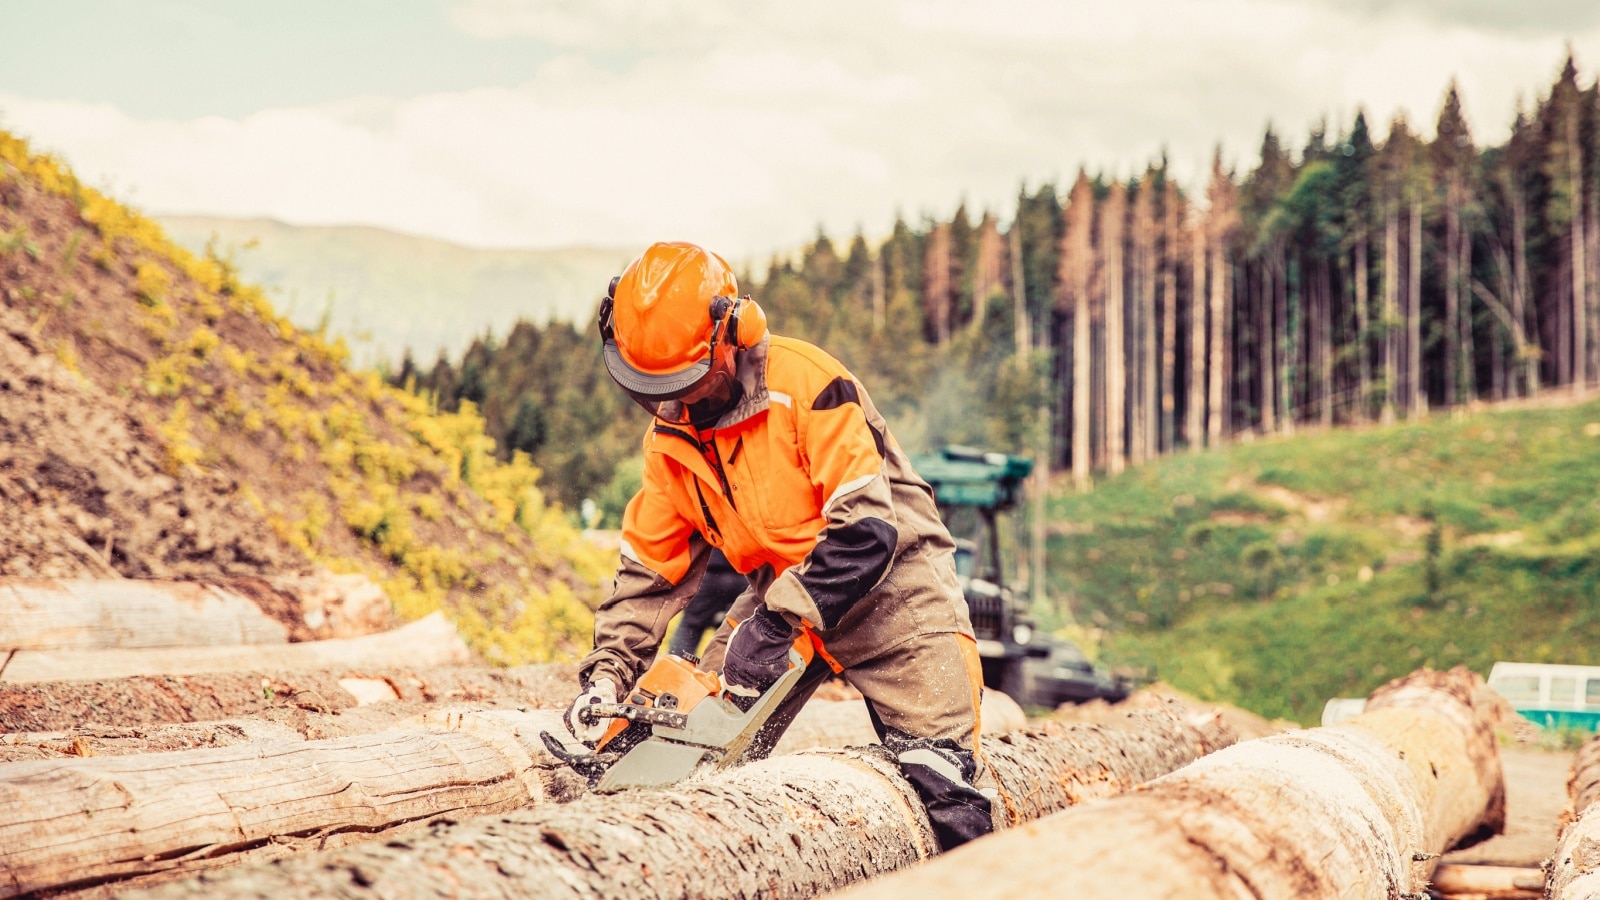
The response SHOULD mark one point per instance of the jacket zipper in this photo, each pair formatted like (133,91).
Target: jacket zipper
(715,461)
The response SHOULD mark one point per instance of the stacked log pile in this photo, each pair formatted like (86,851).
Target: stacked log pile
(789,826)
(1360,809)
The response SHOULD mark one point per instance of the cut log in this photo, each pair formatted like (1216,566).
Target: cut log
(302,699)
(102,741)
(1360,809)
(431,641)
(791,826)
(92,614)
(73,823)
(1574,869)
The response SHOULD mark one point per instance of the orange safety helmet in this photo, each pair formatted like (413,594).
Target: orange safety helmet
(671,324)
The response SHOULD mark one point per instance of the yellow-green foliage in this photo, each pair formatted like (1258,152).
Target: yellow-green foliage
(378,486)
(181,448)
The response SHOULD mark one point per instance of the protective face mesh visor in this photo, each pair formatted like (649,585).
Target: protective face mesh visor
(658,394)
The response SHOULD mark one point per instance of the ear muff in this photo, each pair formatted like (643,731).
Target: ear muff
(749,323)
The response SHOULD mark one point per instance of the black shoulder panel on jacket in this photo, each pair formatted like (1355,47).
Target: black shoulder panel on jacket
(847,565)
(839,391)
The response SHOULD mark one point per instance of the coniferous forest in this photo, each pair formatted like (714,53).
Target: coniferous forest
(1370,273)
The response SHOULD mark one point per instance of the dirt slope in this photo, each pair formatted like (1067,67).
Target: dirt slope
(158,418)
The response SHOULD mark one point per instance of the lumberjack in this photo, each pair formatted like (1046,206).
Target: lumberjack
(769,450)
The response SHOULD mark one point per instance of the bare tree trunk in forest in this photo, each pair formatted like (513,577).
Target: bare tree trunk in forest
(786,827)
(1075,264)
(1580,292)
(1325,340)
(1360,809)
(936,289)
(1468,367)
(1520,291)
(1591,257)
(1363,333)
(987,280)
(1022,328)
(1114,213)
(1452,291)
(1217,353)
(1391,316)
(1147,312)
(1267,339)
(1172,238)
(1285,339)
(1417,397)
(1197,339)
(879,300)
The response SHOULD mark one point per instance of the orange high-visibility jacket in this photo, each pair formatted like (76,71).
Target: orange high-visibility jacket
(801,487)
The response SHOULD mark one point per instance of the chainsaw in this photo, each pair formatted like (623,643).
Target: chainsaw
(676,718)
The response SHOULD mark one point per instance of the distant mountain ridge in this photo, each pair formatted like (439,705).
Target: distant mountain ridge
(385,292)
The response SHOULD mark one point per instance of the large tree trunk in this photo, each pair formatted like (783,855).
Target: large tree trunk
(1197,340)
(1391,312)
(1574,869)
(1172,237)
(1114,272)
(1416,395)
(1218,351)
(1580,292)
(268,692)
(431,641)
(1358,810)
(67,823)
(793,826)
(1363,334)
(91,614)
(1266,344)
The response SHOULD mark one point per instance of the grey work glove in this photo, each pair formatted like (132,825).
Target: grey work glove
(603,690)
(758,653)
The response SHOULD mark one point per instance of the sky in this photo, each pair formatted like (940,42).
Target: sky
(744,125)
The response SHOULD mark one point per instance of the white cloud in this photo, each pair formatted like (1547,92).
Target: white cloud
(745,125)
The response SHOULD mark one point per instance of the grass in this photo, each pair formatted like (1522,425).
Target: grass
(1277,574)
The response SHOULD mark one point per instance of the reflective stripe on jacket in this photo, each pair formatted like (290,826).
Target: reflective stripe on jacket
(801,486)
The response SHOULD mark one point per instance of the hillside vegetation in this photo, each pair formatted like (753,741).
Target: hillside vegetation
(387,293)
(1278,574)
(160,418)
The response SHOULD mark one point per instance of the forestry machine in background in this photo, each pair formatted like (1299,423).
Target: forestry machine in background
(973,488)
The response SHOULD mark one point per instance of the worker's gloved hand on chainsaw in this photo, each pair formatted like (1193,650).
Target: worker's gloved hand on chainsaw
(758,653)
(603,690)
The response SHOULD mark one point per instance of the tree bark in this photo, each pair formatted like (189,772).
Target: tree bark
(1350,811)
(1218,351)
(90,614)
(1574,869)
(1391,315)
(1363,334)
(793,826)
(1266,338)
(431,641)
(1076,260)
(143,701)
(1169,316)
(1452,293)
(1197,340)
(1113,217)
(1416,396)
(1580,292)
(67,823)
